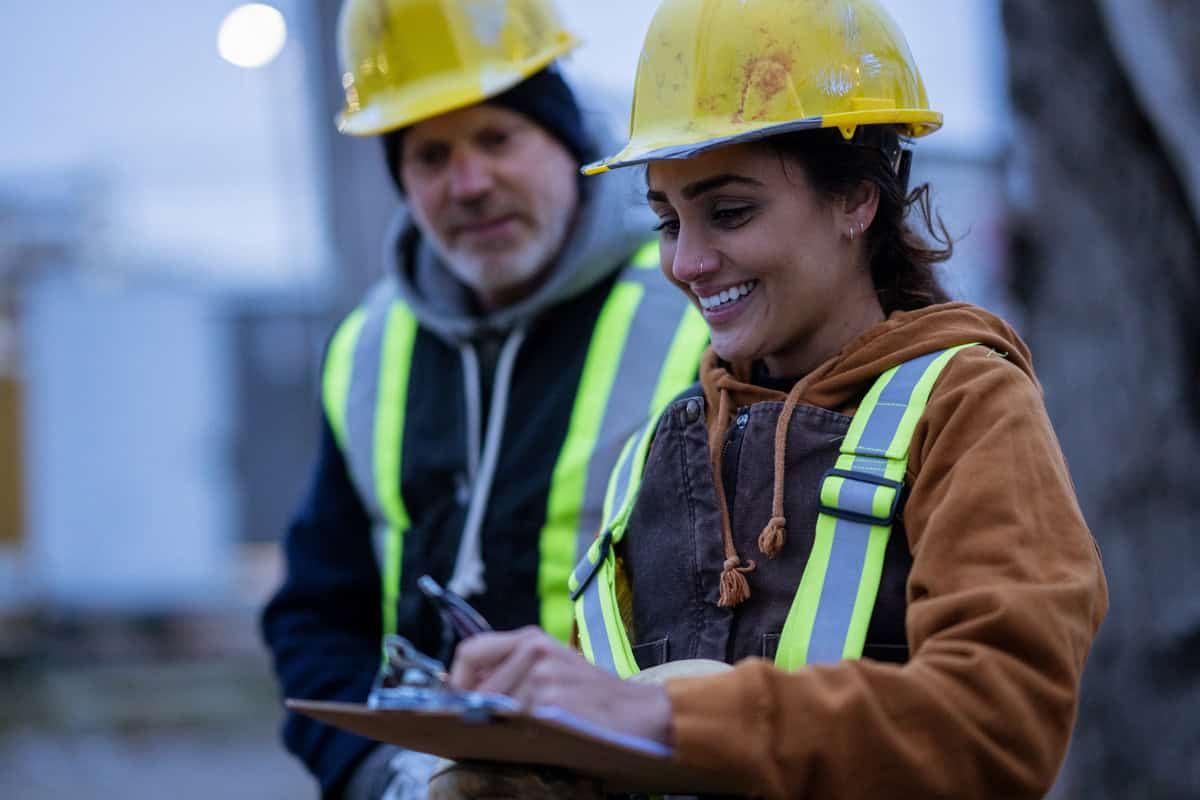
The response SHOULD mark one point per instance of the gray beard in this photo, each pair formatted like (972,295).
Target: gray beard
(482,275)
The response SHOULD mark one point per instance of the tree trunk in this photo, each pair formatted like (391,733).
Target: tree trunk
(1106,265)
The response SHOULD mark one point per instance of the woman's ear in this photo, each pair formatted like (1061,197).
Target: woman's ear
(860,204)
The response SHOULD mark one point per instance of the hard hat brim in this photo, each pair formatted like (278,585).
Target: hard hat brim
(422,101)
(674,144)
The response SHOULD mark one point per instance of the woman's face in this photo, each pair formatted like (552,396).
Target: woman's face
(769,262)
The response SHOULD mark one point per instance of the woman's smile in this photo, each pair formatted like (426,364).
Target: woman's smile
(721,304)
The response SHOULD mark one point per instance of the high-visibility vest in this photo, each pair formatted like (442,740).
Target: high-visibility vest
(645,348)
(858,499)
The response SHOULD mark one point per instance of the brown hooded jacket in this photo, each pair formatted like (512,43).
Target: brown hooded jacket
(1004,597)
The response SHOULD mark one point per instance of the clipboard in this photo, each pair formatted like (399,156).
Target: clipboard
(544,736)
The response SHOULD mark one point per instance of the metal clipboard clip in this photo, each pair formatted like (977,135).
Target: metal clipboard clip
(408,679)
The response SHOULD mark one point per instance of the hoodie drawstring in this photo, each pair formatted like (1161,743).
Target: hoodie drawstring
(468,578)
(735,589)
(773,536)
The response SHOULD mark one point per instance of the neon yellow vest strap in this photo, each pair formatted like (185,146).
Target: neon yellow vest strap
(335,380)
(365,394)
(857,505)
(858,500)
(645,348)
(602,635)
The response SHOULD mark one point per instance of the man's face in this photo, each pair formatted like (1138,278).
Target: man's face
(494,193)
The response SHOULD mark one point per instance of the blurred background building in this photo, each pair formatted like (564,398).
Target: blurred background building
(178,235)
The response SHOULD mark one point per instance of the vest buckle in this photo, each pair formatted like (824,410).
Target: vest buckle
(587,569)
(856,500)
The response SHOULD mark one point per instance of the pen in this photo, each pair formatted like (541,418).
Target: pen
(455,611)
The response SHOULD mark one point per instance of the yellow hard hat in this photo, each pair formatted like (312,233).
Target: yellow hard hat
(715,72)
(407,60)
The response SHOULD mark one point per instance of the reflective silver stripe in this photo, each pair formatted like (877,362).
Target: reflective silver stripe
(644,350)
(363,398)
(847,557)
(858,496)
(840,590)
(605,640)
(622,479)
(893,403)
(593,615)
(602,634)
(621,484)
(587,566)
(629,480)
(651,333)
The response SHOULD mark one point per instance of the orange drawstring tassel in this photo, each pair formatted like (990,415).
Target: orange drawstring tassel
(735,589)
(771,540)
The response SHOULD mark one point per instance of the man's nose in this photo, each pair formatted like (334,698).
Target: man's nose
(470,176)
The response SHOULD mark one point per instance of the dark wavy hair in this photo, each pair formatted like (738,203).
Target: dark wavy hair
(901,259)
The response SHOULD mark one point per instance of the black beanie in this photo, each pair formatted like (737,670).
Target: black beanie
(543,97)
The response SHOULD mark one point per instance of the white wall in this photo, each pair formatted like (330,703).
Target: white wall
(128,424)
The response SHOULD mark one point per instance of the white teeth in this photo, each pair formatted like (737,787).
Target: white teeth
(729,295)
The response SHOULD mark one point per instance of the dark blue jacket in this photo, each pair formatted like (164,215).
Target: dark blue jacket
(324,625)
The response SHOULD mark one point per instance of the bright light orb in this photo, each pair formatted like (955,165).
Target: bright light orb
(252,35)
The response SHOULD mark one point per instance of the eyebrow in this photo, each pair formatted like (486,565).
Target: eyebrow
(694,190)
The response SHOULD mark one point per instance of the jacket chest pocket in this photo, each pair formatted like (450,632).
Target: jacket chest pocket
(652,653)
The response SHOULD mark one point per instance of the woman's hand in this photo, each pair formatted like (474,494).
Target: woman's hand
(536,670)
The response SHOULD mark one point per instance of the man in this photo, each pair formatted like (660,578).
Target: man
(470,416)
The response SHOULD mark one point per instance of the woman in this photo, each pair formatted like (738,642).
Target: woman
(863,506)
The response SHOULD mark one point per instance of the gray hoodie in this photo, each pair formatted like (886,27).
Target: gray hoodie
(611,224)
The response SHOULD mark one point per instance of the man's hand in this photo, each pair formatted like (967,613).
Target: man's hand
(536,670)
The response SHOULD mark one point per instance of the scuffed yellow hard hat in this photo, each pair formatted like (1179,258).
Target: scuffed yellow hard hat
(404,61)
(716,72)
